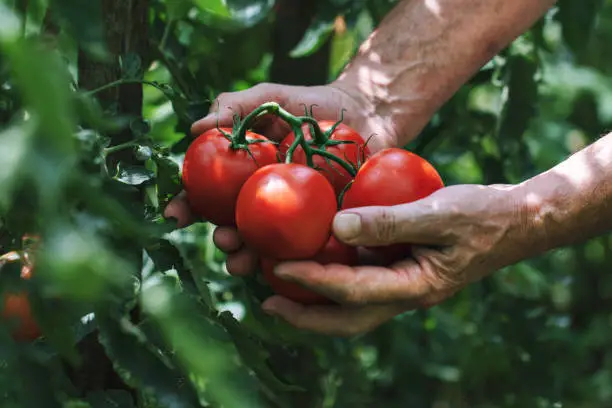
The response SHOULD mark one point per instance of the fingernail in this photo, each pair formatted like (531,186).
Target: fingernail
(280,270)
(347,226)
(268,310)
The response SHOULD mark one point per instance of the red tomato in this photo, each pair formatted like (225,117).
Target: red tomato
(285,211)
(16,308)
(391,177)
(213,173)
(351,152)
(333,252)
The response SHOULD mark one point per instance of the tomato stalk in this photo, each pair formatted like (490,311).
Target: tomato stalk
(296,122)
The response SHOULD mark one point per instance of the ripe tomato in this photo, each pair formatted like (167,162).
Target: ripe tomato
(351,152)
(16,310)
(391,177)
(333,252)
(285,211)
(213,173)
(16,306)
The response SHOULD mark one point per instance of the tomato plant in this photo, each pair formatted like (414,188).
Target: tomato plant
(390,177)
(355,151)
(333,252)
(285,211)
(215,168)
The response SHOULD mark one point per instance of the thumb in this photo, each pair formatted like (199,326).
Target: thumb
(385,225)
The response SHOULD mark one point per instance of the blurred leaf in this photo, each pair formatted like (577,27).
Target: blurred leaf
(317,33)
(522,280)
(140,127)
(179,9)
(518,110)
(131,66)
(110,399)
(255,355)
(14,144)
(142,366)
(84,21)
(577,20)
(250,12)
(201,345)
(48,96)
(217,7)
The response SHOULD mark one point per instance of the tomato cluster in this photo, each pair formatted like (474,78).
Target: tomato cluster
(282,199)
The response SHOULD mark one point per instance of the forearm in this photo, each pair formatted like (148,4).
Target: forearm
(571,202)
(423,51)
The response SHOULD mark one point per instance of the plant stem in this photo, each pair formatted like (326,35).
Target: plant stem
(350,169)
(299,141)
(122,146)
(296,122)
(122,82)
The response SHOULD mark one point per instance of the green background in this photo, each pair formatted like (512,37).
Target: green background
(136,314)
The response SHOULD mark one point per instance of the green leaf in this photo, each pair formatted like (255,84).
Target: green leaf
(249,12)
(522,280)
(200,344)
(131,66)
(168,178)
(14,144)
(134,175)
(178,9)
(577,20)
(48,96)
(518,110)
(255,355)
(316,34)
(110,399)
(84,21)
(10,24)
(216,7)
(142,366)
(140,127)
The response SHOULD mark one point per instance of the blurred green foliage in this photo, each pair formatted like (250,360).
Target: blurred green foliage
(96,101)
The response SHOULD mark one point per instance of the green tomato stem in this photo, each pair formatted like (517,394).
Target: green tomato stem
(346,166)
(116,148)
(320,138)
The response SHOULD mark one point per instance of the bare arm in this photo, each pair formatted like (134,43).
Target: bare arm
(424,50)
(572,201)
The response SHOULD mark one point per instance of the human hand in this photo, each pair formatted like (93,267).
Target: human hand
(460,234)
(330,100)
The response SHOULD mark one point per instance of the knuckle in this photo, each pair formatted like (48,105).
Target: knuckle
(263,86)
(351,295)
(223,97)
(386,227)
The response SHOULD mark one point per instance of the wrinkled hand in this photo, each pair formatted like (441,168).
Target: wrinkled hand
(329,101)
(461,234)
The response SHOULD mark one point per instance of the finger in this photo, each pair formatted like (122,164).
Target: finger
(406,281)
(241,263)
(330,320)
(413,223)
(227,239)
(179,209)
